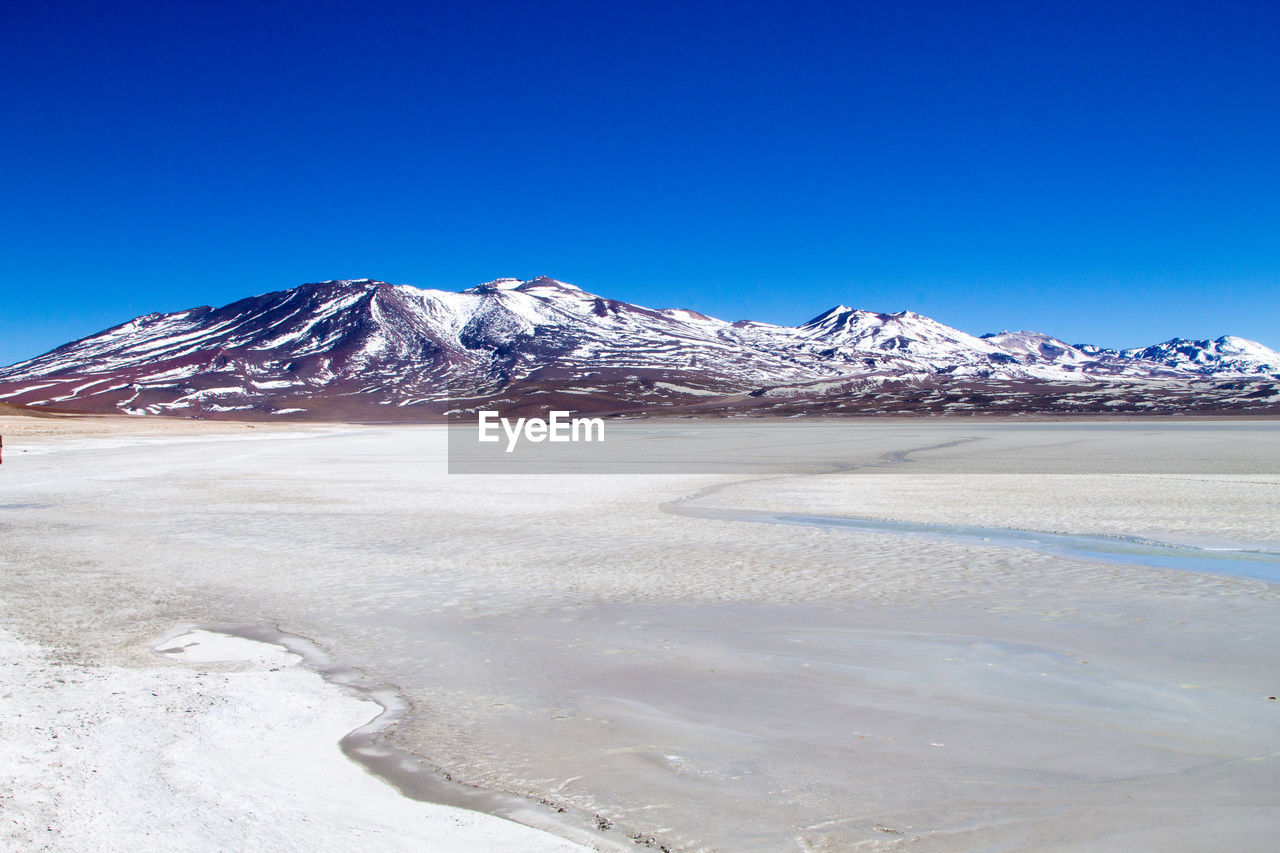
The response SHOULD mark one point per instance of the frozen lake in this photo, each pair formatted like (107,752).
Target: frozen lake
(963,635)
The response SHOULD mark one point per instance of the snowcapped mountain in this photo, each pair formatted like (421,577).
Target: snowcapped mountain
(853,332)
(371,350)
(1037,348)
(1226,354)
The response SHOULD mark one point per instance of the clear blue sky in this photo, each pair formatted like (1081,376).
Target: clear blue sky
(1105,172)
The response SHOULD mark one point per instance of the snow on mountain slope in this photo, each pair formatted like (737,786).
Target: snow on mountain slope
(1227,354)
(1032,347)
(371,349)
(904,332)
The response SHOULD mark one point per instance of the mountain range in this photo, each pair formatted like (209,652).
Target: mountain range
(368,350)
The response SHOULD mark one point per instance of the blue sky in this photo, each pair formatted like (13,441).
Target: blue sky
(1107,173)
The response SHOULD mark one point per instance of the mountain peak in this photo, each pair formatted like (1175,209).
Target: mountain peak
(496,285)
(340,282)
(1227,353)
(541,285)
(1016,335)
(544,282)
(829,314)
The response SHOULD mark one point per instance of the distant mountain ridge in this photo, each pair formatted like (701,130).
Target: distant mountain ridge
(372,350)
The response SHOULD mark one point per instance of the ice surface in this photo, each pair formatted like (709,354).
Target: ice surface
(723,685)
(227,745)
